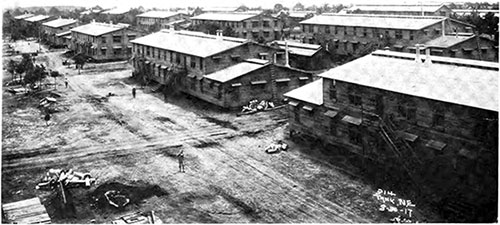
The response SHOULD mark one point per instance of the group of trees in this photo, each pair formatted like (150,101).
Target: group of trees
(29,73)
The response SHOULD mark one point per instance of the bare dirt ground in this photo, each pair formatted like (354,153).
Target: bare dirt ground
(131,144)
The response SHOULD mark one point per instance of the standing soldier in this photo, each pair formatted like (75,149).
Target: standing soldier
(66,82)
(180,157)
(133,92)
(47,118)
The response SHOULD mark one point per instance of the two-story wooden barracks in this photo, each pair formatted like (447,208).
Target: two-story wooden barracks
(56,31)
(103,41)
(361,34)
(228,72)
(437,120)
(254,26)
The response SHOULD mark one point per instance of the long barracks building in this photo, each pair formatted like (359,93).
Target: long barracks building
(103,41)
(361,34)
(437,120)
(225,71)
(56,30)
(255,26)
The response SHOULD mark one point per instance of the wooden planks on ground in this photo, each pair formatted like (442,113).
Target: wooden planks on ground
(25,212)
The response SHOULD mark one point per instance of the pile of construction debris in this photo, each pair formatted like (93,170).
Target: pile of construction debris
(276,147)
(68,178)
(254,106)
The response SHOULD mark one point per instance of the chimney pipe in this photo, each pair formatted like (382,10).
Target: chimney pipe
(442,28)
(428,60)
(417,51)
(218,35)
(287,64)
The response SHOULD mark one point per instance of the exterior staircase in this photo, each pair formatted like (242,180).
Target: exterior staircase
(404,153)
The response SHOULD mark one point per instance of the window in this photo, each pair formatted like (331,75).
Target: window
(335,30)
(201,86)
(327,29)
(103,51)
(103,39)
(412,113)
(165,55)
(412,35)
(387,35)
(244,24)
(354,135)
(333,92)
(193,62)
(345,30)
(296,112)
(131,37)
(438,117)
(235,94)
(117,51)
(219,92)
(311,28)
(255,24)
(117,39)
(255,34)
(266,34)
(333,127)
(177,58)
(365,32)
(399,34)
(201,64)
(147,51)
(266,23)
(354,97)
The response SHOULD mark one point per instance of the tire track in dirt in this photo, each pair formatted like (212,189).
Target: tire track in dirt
(86,153)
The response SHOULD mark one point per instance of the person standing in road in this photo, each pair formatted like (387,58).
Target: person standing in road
(66,82)
(133,92)
(180,157)
(47,118)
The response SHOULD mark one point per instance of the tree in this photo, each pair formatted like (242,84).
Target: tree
(54,11)
(228,32)
(25,65)
(55,74)
(298,7)
(278,7)
(11,68)
(242,8)
(40,11)
(80,60)
(17,12)
(324,8)
(37,73)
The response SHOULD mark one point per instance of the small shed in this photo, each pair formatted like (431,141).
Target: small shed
(25,212)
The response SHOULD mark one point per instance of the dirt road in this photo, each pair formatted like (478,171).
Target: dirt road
(228,179)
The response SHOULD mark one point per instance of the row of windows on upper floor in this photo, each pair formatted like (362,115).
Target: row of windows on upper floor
(104,39)
(155,20)
(168,56)
(405,109)
(244,24)
(367,32)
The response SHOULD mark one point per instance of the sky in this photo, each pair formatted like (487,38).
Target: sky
(202,3)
